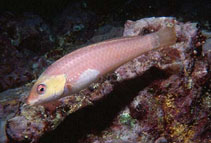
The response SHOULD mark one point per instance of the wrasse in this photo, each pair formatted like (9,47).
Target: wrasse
(76,70)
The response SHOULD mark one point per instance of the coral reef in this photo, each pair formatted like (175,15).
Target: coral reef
(161,96)
(23,39)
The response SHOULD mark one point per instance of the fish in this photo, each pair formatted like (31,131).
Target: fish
(78,69)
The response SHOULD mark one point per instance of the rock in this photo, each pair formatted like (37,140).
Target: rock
(160,96)
(23,40)
(74,26)
(10,101)
(106,32)
(207,49)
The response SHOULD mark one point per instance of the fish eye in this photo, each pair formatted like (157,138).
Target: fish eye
(41,89)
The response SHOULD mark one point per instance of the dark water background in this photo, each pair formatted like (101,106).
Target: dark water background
(194,10)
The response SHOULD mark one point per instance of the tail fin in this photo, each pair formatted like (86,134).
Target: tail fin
(166,36)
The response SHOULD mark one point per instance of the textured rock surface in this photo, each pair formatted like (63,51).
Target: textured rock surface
(22,42)
(161,96)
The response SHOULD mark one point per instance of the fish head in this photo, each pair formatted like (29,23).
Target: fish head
(47,89)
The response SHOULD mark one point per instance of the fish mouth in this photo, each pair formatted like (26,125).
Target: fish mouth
(31,100)
(27,101)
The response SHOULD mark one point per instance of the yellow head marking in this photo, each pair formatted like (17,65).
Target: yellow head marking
(55,85)
(54,88)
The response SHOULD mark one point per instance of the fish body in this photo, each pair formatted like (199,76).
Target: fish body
(76,70)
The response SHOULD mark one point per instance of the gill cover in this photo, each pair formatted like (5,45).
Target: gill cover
(54,88)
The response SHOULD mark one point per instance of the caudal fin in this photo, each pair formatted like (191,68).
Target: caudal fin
(166,36)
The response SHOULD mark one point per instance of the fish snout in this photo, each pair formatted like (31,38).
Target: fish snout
(31,99)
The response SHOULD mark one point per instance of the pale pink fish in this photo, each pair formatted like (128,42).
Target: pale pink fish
(78,69)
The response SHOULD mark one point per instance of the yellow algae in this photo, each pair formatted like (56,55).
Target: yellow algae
(182,132)
(189,83)
(169,101)
(178,131)
(10,102)
(188,137)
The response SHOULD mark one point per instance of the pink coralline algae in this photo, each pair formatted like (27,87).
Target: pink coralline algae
(161,96)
